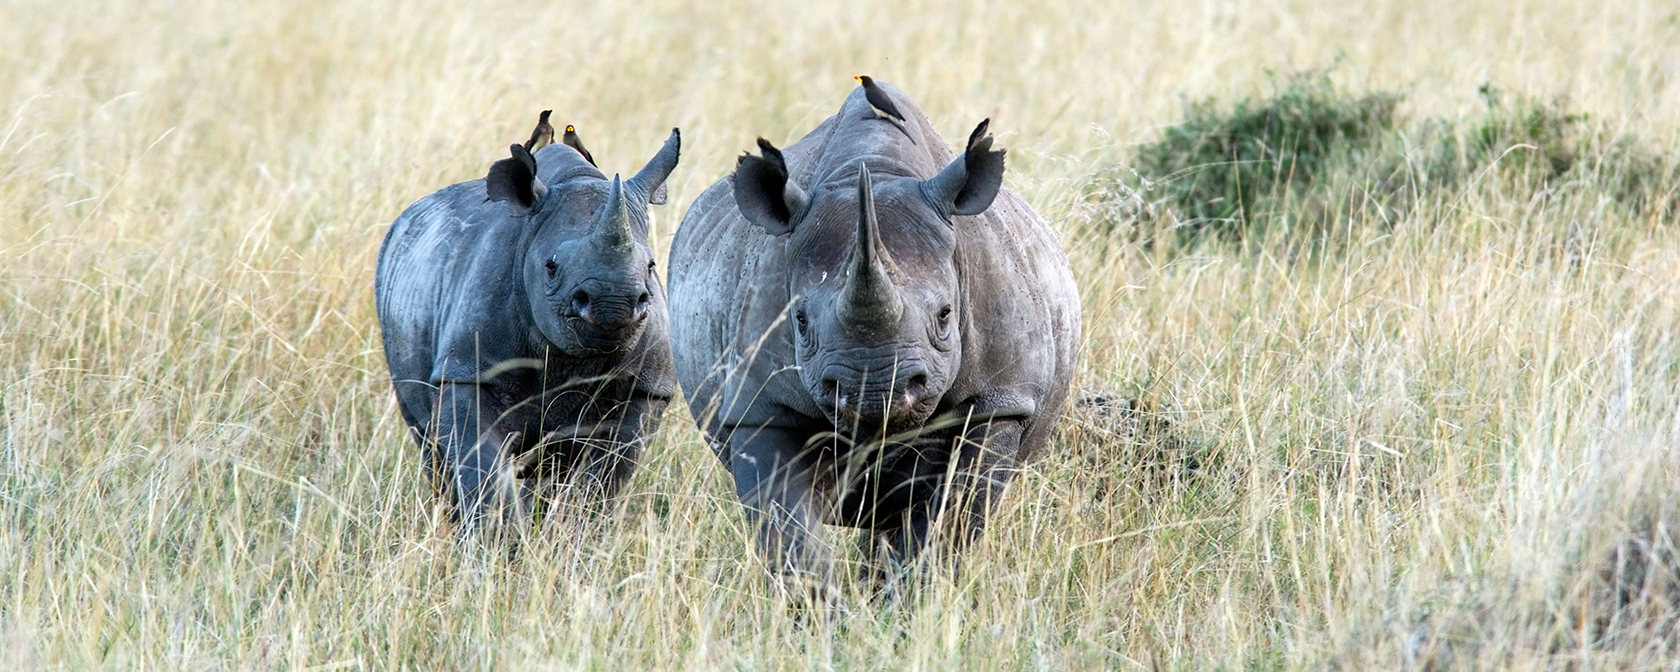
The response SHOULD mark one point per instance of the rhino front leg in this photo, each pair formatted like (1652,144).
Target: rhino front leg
(773,477)
(954,515)
(472,439)
(613,462)
(607,451)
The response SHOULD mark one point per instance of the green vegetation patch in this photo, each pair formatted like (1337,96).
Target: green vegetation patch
(1225,167)
(1314,156)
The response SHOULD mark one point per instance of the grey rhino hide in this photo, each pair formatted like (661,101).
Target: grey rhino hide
(732,307)
(454,288)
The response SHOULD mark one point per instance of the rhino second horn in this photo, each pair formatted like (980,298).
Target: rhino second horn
(869,299)
(612,230)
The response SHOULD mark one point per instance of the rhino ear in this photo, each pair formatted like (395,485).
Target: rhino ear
(968,185)
(651,179)
(514,181)
(764,193)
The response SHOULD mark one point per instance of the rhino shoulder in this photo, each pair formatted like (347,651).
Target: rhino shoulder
(484,317)
(448,285)
(1019,288)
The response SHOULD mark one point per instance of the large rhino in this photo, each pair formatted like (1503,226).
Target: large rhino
(525,328)
(871,333)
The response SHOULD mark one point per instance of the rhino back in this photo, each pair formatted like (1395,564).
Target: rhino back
(854,134)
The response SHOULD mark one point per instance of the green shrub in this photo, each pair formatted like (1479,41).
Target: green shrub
(1314,156)
(1222,170)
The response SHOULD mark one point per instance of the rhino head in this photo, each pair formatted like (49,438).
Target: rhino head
(874,278)
(588,270)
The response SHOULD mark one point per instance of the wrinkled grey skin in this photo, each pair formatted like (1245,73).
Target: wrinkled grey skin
(527,339)
(893,385)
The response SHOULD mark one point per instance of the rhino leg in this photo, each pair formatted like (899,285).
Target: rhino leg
(773,477)
(472,438)
(608,451)
(954,514)
(613,464)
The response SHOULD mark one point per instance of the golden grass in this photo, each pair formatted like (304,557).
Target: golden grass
(1419,453)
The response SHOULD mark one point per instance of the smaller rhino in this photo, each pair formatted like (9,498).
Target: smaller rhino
(525,329)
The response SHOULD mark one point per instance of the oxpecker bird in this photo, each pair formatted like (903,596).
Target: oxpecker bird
(571,140)
(882,105)
(542,136)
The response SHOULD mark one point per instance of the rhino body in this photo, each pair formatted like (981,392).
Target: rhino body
(526,331)
(877,343)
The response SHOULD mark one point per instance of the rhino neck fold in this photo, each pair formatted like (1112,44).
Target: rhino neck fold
(869,300)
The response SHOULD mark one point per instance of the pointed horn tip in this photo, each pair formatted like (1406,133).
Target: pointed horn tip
(613,227)
(866,216)
(615,193)
(866,189)
(615,197)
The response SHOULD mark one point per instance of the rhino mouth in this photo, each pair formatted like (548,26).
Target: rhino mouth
(604,321)
(591,339)
(846,402)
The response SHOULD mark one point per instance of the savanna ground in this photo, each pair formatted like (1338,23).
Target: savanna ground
(1401,385)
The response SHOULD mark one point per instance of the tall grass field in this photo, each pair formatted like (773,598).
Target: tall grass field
(1380,369)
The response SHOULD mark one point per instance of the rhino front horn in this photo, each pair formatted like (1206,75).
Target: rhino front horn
(612,230)
(869,300)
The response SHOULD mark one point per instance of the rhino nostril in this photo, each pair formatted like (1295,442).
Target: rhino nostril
(916,386)
(642,306)
(833,394)
(580,304)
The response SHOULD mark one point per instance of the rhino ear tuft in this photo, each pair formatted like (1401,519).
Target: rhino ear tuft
(514,180)
(651,178)
(764,193)
(972,181)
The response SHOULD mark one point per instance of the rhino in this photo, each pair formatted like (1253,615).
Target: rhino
(872,333)
(525,329)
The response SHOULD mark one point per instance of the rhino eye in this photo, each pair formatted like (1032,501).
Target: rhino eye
(650,268)
(944,318)
(799,318)
(553,268)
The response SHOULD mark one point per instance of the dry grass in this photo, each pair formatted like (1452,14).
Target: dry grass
(1426,452)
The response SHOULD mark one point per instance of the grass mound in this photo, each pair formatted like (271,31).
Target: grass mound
(1223,168)
(1544,146)
(1314,155)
